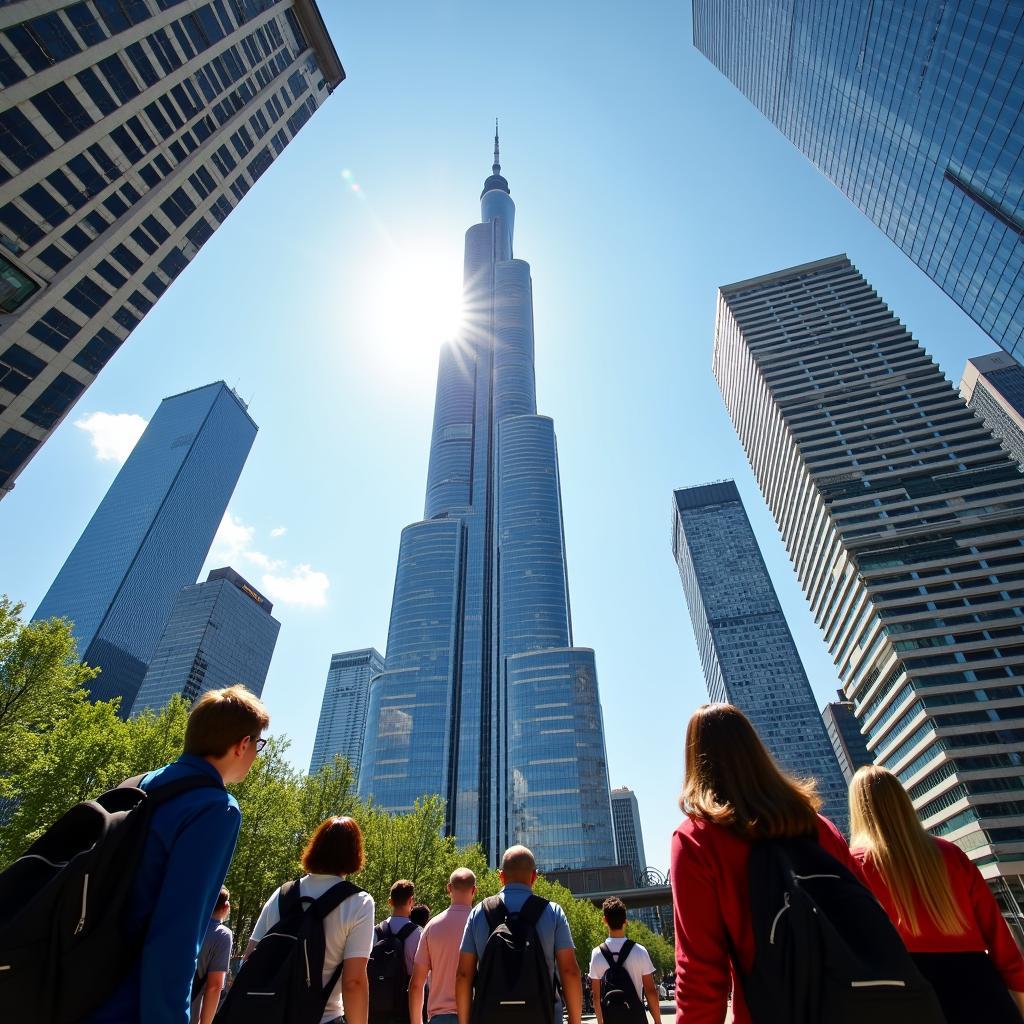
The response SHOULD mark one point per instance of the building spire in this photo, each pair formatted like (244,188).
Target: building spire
(496,167)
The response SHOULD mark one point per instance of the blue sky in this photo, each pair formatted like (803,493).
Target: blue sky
(643,181)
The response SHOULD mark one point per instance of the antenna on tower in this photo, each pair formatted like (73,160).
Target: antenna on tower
(496,168)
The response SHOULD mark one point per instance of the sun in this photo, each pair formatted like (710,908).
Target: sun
(415,302)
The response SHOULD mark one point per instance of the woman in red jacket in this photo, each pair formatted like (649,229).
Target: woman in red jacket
(939,902)
(733,793)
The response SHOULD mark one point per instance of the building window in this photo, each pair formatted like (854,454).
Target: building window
(87,297)
(15,448)
(97,351)
(97,91)
(54,329)
(54,401)
(21,224)
(15,287)
(20,141)
(86,25)
(18,368)
(43,41)
(61,108)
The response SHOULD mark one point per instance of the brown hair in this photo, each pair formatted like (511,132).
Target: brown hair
(732,780)
(222,718)
(614,912)
(223,898)
(883,822)
(402,891)
(335,848)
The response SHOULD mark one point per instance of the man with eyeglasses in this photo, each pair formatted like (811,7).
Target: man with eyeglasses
(188,849)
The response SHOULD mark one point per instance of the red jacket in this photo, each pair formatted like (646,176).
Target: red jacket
(711,892)
(987,930)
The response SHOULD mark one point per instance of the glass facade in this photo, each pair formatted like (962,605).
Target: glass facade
(343,713)
(480,640)
(150,535)
(746,648)
(904,519)
(848,741)
(915,112)
(629,845)
(219,633)
(129,131)
(993,386)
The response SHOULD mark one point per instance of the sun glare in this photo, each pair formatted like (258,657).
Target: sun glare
(416,303)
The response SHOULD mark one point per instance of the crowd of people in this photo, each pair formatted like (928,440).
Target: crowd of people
(777,918)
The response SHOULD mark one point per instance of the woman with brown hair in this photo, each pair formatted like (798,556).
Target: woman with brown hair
(945,913)
(334,851)
(733,794)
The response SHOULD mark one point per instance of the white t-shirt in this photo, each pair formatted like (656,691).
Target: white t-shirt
(348,930)
(637,964)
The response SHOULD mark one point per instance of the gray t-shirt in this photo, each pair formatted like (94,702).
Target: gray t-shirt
(214,955)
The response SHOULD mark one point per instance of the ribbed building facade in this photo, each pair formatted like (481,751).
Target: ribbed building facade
(150,535)
(915,111)
(904,519)
(129,130)
(993,386)
(744,641)
(342,724)
(219,633)
(484,699)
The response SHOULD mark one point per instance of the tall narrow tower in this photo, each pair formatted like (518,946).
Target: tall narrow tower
(483,698)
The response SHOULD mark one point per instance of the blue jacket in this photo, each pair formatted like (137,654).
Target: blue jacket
(186,857)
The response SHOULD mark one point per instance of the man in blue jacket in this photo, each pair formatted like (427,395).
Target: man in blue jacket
(188,849)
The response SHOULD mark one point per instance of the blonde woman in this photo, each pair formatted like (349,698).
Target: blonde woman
(939,902)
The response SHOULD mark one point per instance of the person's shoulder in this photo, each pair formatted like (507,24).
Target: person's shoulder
(224,930)
(829,835)
(694,834)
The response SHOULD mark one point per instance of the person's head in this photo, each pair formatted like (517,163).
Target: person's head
(614,911)
(401,897)
(732,780)
(224,727)
(462,886)
(222,907)
(335,848)
(518,865)
(883,822)
(420,915)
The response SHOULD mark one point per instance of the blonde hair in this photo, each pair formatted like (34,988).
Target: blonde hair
(732,780)
(883,822)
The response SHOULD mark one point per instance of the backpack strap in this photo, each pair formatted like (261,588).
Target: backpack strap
(334,897)
(169,790)
(405,932)
(607,954)
(494,911)
(533,909)
(627,948)
(289,898)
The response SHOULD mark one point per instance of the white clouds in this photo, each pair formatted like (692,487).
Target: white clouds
(300,585)
(278,531)
(304,586)
(112,435)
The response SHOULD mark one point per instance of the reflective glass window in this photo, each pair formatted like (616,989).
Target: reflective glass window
(56,399)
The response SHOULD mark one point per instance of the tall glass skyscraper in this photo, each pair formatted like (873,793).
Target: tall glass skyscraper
(484,699)
(150,535)
(746,648)
(342,724)
(993,386)
(915,111)
(129,130)
(904,519)
(219,633)
(848,741)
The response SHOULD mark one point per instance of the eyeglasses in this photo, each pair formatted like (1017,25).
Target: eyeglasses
(258,741)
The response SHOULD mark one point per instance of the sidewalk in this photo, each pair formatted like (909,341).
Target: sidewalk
(668,1014)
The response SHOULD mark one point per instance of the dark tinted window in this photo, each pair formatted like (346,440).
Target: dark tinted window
(142,64)
(54,329)
(77,239)
(98,92)
(20,141)
(43,41)
(119,78)
(61,108)
(164,50)
(15,448)
(21,224)
(87,297)
(18,368)
(45,204)
(85,23)
(54,401)
(97,351)
(54,258)
(86,172)
(126,258)
(173,263)
(15,286)
(113,277)
(68,190)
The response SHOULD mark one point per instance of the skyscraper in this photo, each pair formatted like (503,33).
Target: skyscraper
(629,844)
(915,111)
(848,741)
(129,130)
(903,518)
(484,699)
(342,722)
(993,386)
(746,649)
(150,535)
(219,633)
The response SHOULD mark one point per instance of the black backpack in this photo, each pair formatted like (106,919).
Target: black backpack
(387,973)
(825,950)
(620,1001)
(63,946)
(513,982)
(282,981)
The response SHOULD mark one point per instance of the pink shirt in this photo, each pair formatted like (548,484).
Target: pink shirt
(438,951)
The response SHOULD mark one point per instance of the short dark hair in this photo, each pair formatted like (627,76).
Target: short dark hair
(420,914)
(223,898)
(614,912)
(335,848)
(402,891)
(222,718)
